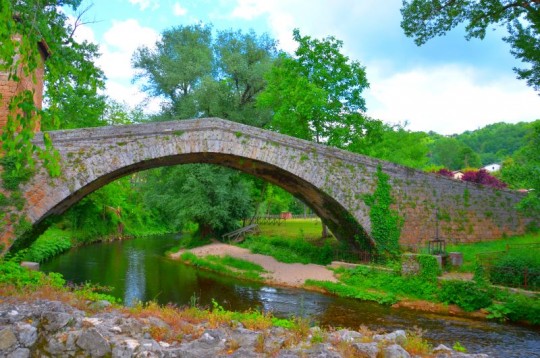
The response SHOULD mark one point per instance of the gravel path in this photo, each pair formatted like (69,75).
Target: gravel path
(279,273)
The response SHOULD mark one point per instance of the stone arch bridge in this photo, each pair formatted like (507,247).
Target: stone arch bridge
(332,182)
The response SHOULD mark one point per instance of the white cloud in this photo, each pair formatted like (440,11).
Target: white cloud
(145,4)
(129,94)
(450,99)
(120,41)
(178,10)
(249,9)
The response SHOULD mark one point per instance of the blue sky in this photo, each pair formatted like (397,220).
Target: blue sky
(448,85)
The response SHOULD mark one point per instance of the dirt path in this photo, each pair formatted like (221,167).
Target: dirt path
(277,272)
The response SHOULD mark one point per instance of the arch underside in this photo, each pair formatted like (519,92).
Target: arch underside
(340,222)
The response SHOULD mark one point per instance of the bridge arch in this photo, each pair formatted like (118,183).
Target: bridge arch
(332,182)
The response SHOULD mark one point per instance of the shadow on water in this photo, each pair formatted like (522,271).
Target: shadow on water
(139,271)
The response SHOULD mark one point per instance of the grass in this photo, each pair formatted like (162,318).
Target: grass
(290,250)
(471,250)
(310,229)
(225,265)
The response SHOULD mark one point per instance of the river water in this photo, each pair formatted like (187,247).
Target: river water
(138,270)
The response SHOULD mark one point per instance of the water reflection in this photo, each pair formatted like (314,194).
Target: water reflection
(138,270)
(135,278)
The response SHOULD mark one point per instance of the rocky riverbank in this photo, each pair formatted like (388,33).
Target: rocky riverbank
(55,329)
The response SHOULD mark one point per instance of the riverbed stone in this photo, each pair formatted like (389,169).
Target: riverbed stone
(125,348)
(322,350)
(20,353)
(245,352)
(54,321)
(394,351)
(346,335)
(93,343)
(367,350)
(96,336)
(26,333)
(245,337)
(398,336)
(99,305)
(7,339)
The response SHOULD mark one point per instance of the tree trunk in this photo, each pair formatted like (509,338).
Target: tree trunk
(325,232)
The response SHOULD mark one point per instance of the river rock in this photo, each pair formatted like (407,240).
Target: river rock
(125,348)
(7,339)
(323,350)
(20,353)
(93,343)
(54,329)
(245,337)
(27,334)
(395,351)
(54,321)
(399,337)
(245,352)
(367,350)
(344,335)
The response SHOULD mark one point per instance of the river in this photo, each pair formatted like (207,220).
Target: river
(138,270)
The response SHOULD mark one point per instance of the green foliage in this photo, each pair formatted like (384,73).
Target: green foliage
(14,173)
(523,171)
(290,250)
(391,282)
(11,273)
(316,95)
(509,269)
(202,75)
(522,308)
(468,295)
(453,154)
(425,19)
(471,250)
(395,144)
(53,242)
(459,348)
(215,198)
(429,268)
(495,142)
(353,292)
(70,75)
(385,222)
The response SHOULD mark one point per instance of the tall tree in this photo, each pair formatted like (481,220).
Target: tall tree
(453,154)
(396,144)
(200,75)
(317,94)
(425,19)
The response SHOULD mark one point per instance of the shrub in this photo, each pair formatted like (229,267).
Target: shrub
(509,269)
(483,177)
(53,242)
(466,294)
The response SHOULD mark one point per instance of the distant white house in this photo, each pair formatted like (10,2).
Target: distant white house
(492,167)
(458,174)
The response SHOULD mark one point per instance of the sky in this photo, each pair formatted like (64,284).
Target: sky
(449,85)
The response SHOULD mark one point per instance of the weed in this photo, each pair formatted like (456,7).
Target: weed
(459,348)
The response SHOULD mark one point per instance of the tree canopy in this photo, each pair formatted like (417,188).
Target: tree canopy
(199,74)
(202,74)
(317,94)
(425,19)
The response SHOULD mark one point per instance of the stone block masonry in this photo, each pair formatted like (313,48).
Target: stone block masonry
(331,181)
